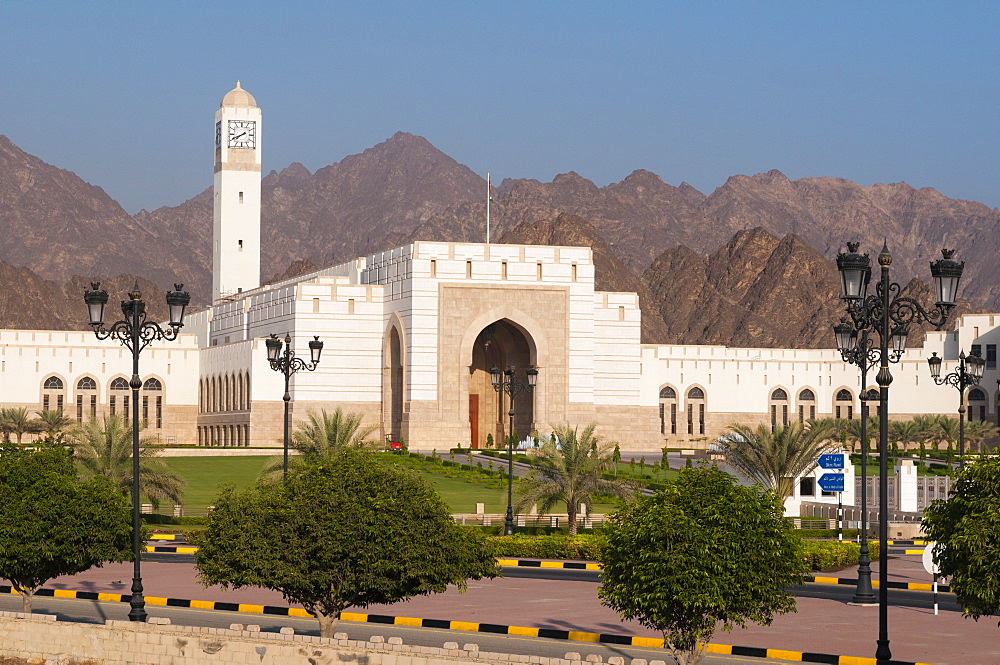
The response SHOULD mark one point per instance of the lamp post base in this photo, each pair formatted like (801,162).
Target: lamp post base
(138,602)
(864,595)
(882,653)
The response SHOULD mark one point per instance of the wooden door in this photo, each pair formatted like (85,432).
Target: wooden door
(474,419)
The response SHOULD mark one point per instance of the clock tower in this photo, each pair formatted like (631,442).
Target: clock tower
(236,227)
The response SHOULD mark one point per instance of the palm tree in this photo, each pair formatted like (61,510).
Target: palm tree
(978,431)
(104,448)
(52,421)
(569,468)
(776,457)
(852,430)
(906,432)
(17,422)
(323,435)
(944,430)
(927,427)
(5,425)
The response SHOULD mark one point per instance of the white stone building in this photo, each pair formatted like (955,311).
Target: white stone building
(410,335)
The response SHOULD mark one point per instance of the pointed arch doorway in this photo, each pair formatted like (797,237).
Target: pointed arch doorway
(392,382)
(500,344)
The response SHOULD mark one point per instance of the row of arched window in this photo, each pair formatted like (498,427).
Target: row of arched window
(225,436)
(230,392)
(89,383)
(119,398)
(695,411)
(778,405)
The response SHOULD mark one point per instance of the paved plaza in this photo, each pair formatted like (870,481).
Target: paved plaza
(821,625)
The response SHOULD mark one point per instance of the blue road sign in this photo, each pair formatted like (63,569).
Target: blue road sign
(832,482)
(831,461)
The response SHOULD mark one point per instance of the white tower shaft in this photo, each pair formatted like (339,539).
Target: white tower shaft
(236,228)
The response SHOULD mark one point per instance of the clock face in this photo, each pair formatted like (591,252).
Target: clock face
(242,133)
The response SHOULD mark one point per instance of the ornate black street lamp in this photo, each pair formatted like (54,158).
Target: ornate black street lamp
(889,314)
(969,373)
(504,381)
(136,333)
(857,348)
(284,361)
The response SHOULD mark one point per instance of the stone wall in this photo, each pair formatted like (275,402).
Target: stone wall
(40,638)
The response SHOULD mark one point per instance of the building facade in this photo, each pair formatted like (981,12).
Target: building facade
(411,334)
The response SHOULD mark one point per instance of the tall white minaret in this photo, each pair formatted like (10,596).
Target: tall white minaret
(236,228)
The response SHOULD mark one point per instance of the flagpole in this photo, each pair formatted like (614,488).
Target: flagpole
(488,199)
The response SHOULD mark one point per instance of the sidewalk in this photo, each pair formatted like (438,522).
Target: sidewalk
(820,625)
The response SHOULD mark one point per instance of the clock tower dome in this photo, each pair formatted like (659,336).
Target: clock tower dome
(236,218)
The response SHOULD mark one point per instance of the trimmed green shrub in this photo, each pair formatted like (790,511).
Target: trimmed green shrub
(585,547)
(818,555)
(822,555)
(169,519)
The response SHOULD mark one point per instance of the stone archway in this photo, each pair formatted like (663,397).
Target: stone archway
(500,344)
(393,382)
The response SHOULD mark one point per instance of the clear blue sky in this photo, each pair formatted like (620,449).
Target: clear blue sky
(124,93)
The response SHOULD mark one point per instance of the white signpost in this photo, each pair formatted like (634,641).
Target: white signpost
(834,482)
(931,566)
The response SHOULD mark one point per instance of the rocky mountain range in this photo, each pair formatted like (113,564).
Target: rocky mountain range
(749,264)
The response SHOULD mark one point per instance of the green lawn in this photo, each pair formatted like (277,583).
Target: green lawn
(205,476)
(635,471)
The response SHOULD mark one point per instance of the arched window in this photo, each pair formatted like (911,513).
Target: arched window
(696,411)
(807,405)
(118,384)
(152,405)
(668,410)
(977,404)
(844,407)
(52,394)
(779,408)
(86,398)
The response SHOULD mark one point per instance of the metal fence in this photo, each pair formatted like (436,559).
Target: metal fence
(929,489)
(852,514)
(551,520)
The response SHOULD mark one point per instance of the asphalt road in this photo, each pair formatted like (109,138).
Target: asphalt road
(88,611)
(844,593)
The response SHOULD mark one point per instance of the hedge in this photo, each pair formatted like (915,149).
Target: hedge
(817,555)
(820,555)
(582,547)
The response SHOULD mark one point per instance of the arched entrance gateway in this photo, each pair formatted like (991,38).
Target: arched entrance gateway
(499,344)
(392,386)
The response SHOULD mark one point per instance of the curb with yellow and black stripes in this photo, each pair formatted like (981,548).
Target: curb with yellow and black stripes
(580,565)
(466,626)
